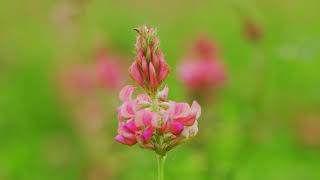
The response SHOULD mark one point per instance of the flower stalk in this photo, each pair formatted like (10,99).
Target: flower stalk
(151,119)
(161,161)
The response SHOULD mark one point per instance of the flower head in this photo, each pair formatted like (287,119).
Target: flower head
(158,124)
(151,119)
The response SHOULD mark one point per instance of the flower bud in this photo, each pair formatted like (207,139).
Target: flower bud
(153,77)
(149,62)
(135,74)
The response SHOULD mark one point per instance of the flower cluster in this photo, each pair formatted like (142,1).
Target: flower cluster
(151,119)
(202,69)
(157,124)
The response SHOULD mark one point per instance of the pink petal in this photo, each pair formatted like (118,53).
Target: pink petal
(135,73)
(147,134)
(127,109)
(121,117)
(143,98)
(125,141)
(125,132)
(155,61)
(131,126)
(195,109)
(164,71)
(180,109)
(153,76)
(163,94)
(126,93)
(190,130)
(188,120)
(140,55)
(145,68)
(145,117)
(176,128)
(156,121)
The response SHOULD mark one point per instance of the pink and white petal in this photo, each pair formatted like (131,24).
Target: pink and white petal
(156,121)
(181,109)
(195,109)
(163,94)
(176,128)
(190,131)
(135,74)
(123,140)
(153,77)
(120,116)
(164,71)
(125,132)
(127,110)
(145,117)
(147,134)
(143,98)
(186,121)
(126,93)
(131,125)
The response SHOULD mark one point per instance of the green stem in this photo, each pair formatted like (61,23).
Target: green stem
(161,159)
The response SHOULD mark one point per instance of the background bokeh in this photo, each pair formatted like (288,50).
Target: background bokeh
(264,123)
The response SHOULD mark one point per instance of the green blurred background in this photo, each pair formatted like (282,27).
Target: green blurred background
(264,123)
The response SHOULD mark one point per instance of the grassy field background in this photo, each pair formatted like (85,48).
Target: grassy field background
(258,127)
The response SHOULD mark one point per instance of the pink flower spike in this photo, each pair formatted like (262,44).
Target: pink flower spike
(126,93)
(147,134)
(125,141)
(150,119)
(176,128)
(135,73)
(153,76)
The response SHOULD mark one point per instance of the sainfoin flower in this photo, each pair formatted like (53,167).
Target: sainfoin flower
(202,68)
(150,119)
(158,124)
(109,72)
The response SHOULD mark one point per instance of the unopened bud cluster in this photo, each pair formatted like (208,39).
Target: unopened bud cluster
(149,69)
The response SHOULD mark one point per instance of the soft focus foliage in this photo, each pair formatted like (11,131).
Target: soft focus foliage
(57,121)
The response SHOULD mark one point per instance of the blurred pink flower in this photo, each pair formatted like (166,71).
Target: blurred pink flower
(109,71)
(202,68)
(77,81)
